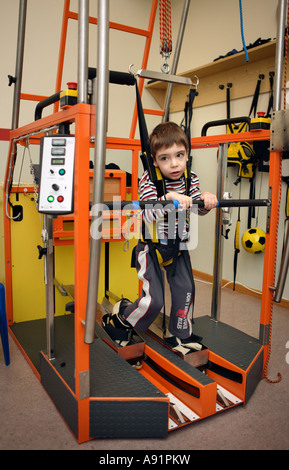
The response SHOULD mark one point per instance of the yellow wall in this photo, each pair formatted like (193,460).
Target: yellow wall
(28,271)
(123,281)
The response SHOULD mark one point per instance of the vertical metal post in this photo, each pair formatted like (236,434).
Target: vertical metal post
(99,167)
(218,253)
(49,284)
(277,107)
(19,62)
(176,59)
(279,55)
(82,76)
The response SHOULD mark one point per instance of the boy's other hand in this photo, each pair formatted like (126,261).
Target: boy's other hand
(210,200)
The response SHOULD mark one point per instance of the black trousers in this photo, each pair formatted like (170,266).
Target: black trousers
(147,307)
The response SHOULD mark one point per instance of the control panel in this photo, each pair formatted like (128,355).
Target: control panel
(56,174)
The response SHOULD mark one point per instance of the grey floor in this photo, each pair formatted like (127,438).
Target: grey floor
(30,421)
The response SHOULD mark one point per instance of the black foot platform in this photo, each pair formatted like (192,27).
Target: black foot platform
(166,393)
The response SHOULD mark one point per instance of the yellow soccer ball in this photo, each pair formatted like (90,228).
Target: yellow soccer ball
(253,240)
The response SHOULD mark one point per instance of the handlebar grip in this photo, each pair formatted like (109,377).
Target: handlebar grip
(224,122)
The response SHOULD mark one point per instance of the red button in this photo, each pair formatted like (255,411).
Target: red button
(60,199)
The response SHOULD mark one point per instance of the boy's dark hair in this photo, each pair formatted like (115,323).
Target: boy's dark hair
(165,135)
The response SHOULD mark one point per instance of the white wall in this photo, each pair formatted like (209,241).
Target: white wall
(213,29)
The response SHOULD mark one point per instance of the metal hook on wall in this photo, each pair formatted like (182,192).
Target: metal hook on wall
(197,82)
(130,69)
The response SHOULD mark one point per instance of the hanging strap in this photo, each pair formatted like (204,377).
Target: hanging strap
(256,96)
(154,173)
(228,101)
(147,161)
(237,242)
(270,103)
(144,138)
(188,114)
(233,128)
(253,108)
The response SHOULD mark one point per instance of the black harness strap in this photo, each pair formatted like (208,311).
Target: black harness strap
(271,96)
(188,114)
(154,173)
(256,96)
(157,178)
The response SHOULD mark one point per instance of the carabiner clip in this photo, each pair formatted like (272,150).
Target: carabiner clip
(165,68)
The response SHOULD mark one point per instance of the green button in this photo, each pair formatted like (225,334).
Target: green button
(62,172)
(50,198)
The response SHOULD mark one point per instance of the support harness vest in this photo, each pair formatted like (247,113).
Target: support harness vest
(149,231)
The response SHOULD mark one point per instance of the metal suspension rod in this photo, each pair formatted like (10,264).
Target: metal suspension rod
(19,63)
(83,15)
(176,59)
(218,249)
(135,205)
(99,164)
(152,75)
(49,285)
(279,55)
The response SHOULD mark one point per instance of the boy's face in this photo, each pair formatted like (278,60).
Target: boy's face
(172,161)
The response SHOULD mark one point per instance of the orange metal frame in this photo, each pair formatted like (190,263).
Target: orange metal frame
(62,236)
(82,115)
(275,174)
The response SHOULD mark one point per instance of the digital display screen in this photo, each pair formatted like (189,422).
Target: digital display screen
(57,161)
(59,142)
(58,151)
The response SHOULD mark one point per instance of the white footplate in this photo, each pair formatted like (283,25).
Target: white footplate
(226,398)
(179,413)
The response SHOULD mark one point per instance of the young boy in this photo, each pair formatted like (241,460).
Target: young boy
(169,150)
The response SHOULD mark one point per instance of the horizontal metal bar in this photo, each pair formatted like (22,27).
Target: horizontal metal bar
(136,205)
(243,203)
(164,77)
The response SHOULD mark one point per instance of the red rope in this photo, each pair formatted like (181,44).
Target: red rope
(165,26)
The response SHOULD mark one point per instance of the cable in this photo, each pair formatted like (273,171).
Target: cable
(242,31)
(228,283)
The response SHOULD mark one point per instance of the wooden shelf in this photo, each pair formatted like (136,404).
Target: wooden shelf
(232,69)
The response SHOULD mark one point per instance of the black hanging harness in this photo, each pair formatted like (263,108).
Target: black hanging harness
(159,181)
(149,236)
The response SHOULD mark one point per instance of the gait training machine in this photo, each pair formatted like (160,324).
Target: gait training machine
(101,389)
